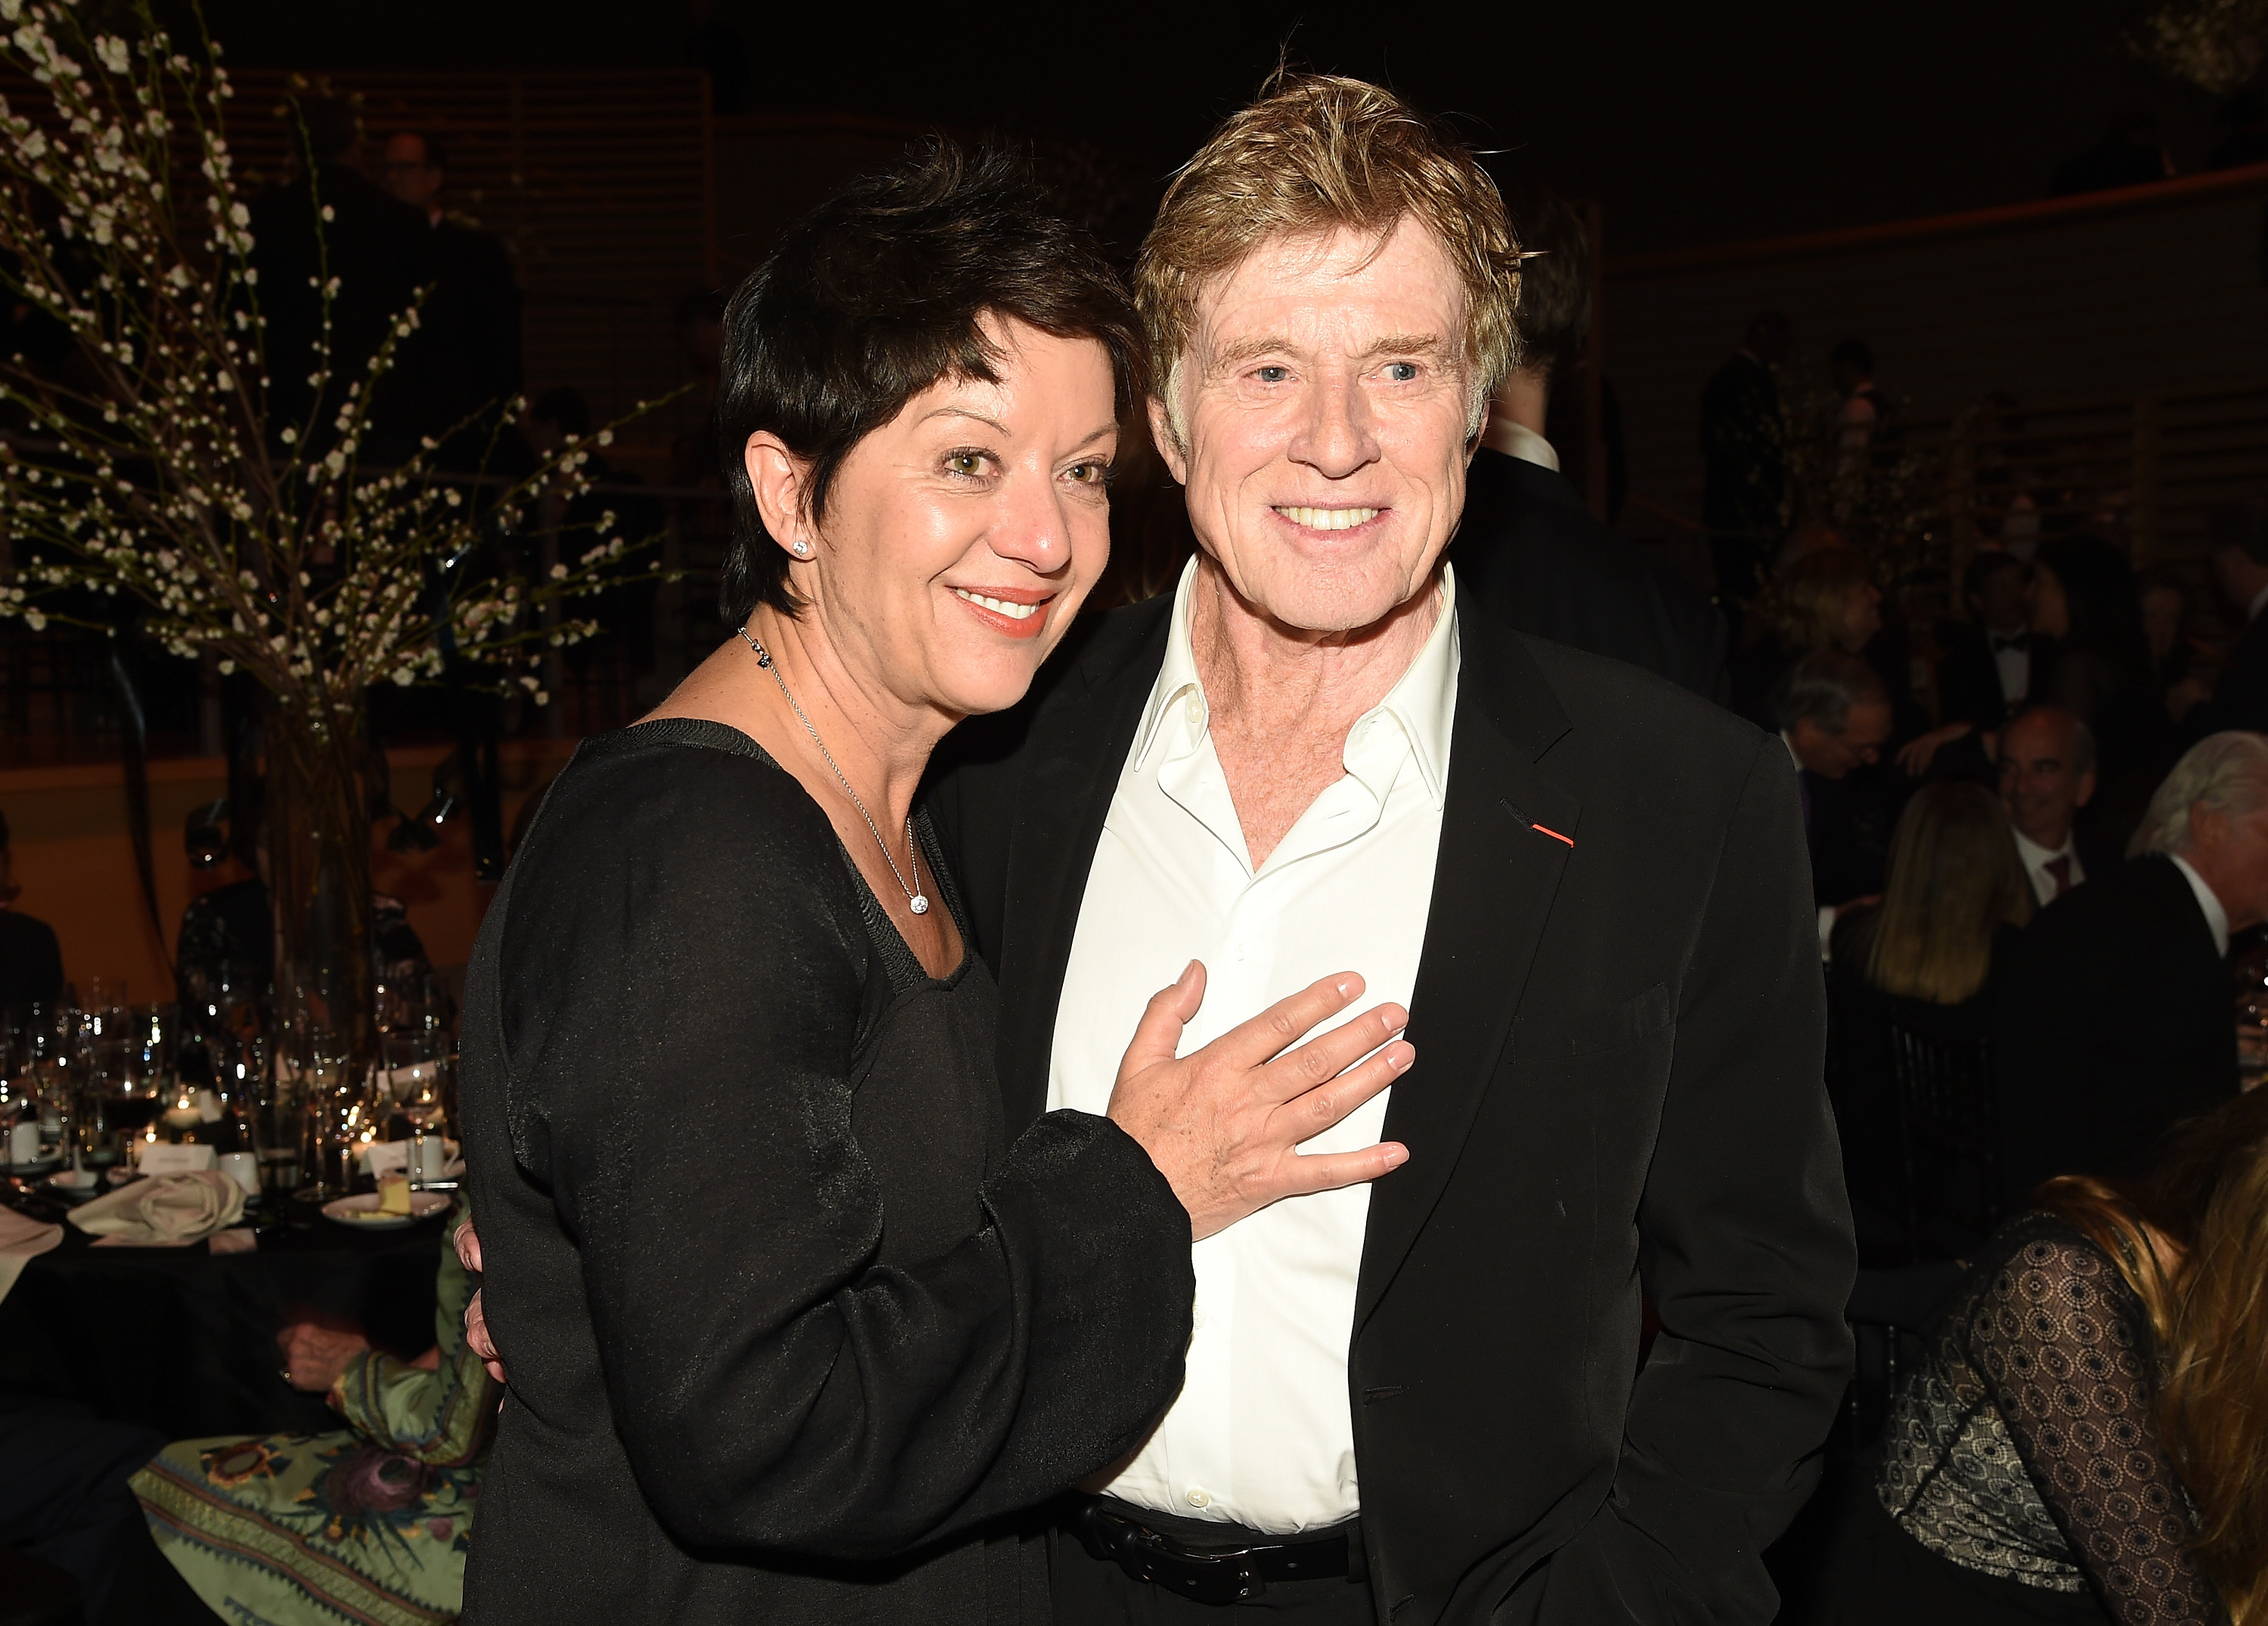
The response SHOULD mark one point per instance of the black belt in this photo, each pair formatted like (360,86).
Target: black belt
(1210,1574)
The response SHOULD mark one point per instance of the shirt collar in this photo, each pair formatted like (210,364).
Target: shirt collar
(2034,855)
(2216,916)
(1423,701)
(2259,602)
(1517,440)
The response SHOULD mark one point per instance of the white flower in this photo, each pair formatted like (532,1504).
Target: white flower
(239,216)
(113,52)
(38,623)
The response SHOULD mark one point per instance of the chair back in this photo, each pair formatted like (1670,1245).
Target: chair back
(1948,1137)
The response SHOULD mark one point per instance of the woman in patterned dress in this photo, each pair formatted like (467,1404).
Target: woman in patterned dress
(367,1524)
(2088,1439)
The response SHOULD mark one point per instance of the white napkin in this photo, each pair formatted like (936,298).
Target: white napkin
(166,1211)
(22,1240)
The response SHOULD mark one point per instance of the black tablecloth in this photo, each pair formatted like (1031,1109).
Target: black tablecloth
(183,1340)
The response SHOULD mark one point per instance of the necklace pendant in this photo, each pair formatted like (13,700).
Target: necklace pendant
(919,903)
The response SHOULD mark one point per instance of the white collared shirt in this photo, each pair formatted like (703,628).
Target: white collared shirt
(1517,440)
(1261,1433)
(2216,913)
(2036,859)
(2014,664)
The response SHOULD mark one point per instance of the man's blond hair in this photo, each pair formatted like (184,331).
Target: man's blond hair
(1316,153)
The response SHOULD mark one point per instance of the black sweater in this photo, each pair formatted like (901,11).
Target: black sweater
(792,1333)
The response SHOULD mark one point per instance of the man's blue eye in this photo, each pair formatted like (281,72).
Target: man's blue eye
(1272,375)
(1402,372)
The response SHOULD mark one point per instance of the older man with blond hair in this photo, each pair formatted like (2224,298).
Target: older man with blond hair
(1428,1400)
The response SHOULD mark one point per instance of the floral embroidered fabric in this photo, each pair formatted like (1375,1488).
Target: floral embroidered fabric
(2025,1445)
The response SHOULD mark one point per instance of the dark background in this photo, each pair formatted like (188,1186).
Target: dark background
(1692,123)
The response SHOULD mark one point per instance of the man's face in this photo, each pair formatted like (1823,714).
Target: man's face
(2000,600)
(1325,397)
(1832,755)
(2236,850)
(2043,789)
(410,173)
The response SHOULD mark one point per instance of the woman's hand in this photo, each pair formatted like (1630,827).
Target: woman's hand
(315,1355)
(1225,1123)
(476,1324)
(1920,752)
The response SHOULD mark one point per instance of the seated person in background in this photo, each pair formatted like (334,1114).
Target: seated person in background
(1527,548)
(31,959)
(2130,1493)
(1923,961)
(2083,596)
(1823,599)
(2047,775)
(371,1522)
(1834,714)
(2117,1016)
(2238,542)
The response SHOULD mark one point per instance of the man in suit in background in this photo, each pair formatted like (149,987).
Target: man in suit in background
(462,369)
(1744,451)
(31,959)
(2115,1021)
(1987,671)
(380,252)
(1834,714)
(1527,548)
(2239,542)
(1420,1402)
(2047,775)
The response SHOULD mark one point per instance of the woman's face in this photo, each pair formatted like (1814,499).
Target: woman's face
(1862,616)
(2050,611)
(961,537)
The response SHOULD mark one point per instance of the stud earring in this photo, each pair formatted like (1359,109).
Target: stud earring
(802,548)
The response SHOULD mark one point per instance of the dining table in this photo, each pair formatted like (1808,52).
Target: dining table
(182,1339)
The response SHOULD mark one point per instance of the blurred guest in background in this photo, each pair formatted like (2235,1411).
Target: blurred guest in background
(328,221)
(462,369)
(2085,1439)
(1987,670)
(370,1522)
(1923,959)
(2239,557)
(1834,716)
(1825,599)
(2117,1018)
(2082,595)
(1850,368)
(2166,629)
(1527,548)
(31,959)
(2047,775)
(1744,447)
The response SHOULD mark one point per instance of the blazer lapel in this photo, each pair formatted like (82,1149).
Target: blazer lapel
(1507,830)
(1077,747)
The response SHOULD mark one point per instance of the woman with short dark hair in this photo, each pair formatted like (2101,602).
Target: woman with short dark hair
(795,1334)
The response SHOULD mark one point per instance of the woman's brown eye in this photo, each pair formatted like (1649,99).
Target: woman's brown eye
(971,463)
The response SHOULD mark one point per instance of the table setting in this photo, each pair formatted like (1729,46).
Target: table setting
(174,1193)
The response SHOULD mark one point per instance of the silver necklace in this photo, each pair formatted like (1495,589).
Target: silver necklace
(915,900)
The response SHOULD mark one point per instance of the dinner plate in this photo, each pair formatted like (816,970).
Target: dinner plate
(37,1166)
(85,1186)
(361,1213)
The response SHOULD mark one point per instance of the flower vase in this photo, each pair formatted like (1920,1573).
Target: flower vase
(317,824)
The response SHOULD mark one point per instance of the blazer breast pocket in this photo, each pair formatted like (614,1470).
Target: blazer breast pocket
(1609,1026)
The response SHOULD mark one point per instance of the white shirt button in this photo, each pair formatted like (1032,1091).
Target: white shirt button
(1199,1496)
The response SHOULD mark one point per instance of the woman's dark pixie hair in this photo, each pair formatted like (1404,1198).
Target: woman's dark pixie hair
(877,294)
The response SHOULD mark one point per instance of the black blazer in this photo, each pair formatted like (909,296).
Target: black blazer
(1530,552)
(2116,1019)
(1968,678)
(1618,1086)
